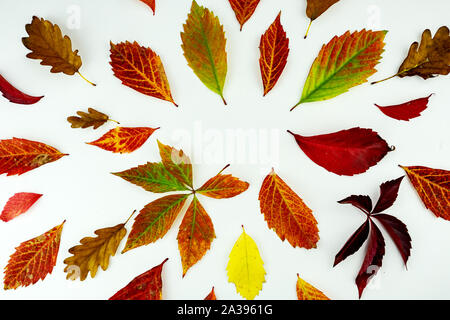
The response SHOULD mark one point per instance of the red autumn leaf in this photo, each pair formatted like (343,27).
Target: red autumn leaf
(147,286)
(18,156)
(354,243)
(151,4)
(407,110)
(123,140)
(18,204)
(211,295)
(364,203)
(14,95)
(33,259)
(274,49)
(223,186)
(346,152)
(243,9)
(388,195)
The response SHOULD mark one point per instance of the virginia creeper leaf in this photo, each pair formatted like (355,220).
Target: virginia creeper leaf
(407,110)
(14,95)
(195,235)
(388,195)
(274,49)
(243,9)
(18,204)
(123,140)
(153,177)
(245,267)
(223,186)
(343,63)
(33,260)
(305,291)
(354,243)
(203,43)
(287,214)
(177,163)
(433,187)
(211,295)
(92,118)
(18,156)
(147,286)
(346,152)
(151,4)
(315,8)
(141,69)
(364,203)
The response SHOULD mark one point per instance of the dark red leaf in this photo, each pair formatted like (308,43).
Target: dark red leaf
(373,259)
(388,194)
(361,202)
(407,110)
(14,95)
(346,152)
(353,243)
(398,232)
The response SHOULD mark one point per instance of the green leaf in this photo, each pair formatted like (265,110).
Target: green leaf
(177,163)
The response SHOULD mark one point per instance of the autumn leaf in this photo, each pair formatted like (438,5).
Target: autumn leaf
(141,69)
(346,152)
(354,243)
(123,139)
(92,118)
(18,156)
(245,267)
(47,43)
(433,187)
(203,43)
(223,186)
(211,295)
(177,163)
(195,235)
(274,50)
(154,220)
(429,59)
(147,286)
(18,204)
(153,177)
(33,260)
(151,4)
(14,95)
(343,63)
(305,291)
(287,214)
(407,110)
(315,8)
(243,9)
(94,252)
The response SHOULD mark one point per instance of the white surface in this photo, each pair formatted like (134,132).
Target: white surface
(80,189)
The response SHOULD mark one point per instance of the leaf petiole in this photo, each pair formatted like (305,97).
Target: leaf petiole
(86,79)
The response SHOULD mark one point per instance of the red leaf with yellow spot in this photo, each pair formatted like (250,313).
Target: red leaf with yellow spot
(18,204)
(18,156)
(124,140)
(141,69)
(147,286)
(274,48)
(223,186)
(33,259)
(287,214)
(243,9)
(151,4)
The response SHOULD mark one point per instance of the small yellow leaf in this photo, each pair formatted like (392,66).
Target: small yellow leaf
(245,267)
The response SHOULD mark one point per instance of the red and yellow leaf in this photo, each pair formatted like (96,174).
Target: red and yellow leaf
(14,95)
(287,214)
(33,259)
(195,235)
(274,49)
(151,4)
(243,9)
(147,286)
(18,156)
(123,140)
(141,69)
(18,204)
(305,291)
(223,186)
(177,163)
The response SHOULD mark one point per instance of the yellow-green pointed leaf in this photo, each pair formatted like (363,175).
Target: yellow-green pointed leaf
(204,47)
(343,63)
(245,267)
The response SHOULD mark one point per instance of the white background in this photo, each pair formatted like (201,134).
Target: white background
(81,189)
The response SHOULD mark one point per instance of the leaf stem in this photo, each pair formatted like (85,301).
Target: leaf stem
(295,105)
(307,30)
(130,217)
(86,79)
(399,73)
(223,99)
(114,121)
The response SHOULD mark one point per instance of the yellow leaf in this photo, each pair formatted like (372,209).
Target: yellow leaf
(305,291)
(245,268)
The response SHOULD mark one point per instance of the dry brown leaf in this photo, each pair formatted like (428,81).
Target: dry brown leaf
(93,118)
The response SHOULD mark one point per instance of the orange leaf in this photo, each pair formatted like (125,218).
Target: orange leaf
(274,48)
(33,259)
(18,204)
(305,291)
(223,186)
(141,69)
(147,286)
(211,295)
(18,156)
(123,140)
(195,235)
(151,4)
(287,214)
(432,185)
(243,9)
(177,163)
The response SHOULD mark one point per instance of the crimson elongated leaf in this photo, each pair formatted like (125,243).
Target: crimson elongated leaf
(406,111)
(388,194)
(353,243)
(14,95)
(363,203)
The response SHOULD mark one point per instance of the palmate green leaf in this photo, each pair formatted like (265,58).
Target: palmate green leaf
(204,48)
(343,63)
(153,177)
